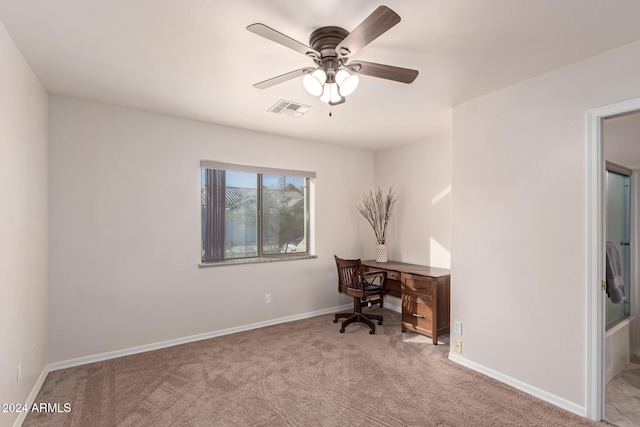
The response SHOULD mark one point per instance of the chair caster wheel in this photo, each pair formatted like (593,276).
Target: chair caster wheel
(371,332)
(379,322)
(335,320)
(342,330)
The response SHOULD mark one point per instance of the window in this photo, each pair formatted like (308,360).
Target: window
(253,212)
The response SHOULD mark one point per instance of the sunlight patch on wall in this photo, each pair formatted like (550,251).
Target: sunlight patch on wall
(439,256)
(441,195)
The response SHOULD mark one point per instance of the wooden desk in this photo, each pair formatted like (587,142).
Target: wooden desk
(425,293)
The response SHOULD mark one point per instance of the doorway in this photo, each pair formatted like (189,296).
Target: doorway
(622,375)
(597,236)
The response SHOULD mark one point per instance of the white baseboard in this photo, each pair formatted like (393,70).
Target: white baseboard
(32,396)
(527,388)
(192,338)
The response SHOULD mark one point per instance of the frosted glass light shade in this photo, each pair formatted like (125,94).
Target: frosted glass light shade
(313,82)
(335,95)
(326,94)
(330,93)
(341,76)
(347,82)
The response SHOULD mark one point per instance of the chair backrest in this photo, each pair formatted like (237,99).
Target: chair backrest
(350,277)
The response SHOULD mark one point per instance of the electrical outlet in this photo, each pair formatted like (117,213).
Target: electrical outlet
(33,352)
(267,298)
(457,346)
(18,373)
(457,327)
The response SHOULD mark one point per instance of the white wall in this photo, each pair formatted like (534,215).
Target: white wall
(420,227)
(519,221)
(23,225)
(125,228)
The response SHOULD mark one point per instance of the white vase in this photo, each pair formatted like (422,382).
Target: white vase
(381,253)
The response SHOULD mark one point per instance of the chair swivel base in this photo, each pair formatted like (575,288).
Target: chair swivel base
(358,317)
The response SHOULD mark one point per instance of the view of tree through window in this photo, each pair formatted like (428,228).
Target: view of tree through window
(283,214)
(247,215)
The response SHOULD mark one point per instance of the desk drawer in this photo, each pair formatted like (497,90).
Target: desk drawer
(416,315)
(393,275)
(420,285)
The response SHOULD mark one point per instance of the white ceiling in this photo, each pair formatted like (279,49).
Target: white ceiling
(195,59)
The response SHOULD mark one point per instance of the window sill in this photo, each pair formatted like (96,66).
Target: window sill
(256,260)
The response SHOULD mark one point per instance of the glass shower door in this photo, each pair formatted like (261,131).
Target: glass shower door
(618,232)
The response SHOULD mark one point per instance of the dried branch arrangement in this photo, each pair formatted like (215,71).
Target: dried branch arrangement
(377,209)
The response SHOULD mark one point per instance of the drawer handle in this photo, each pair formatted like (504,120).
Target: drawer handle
(418,287)
(418,316)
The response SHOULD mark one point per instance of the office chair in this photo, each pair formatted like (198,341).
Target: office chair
(353,282)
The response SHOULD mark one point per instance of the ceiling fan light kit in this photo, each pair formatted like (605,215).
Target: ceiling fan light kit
(331,50)
(330,90)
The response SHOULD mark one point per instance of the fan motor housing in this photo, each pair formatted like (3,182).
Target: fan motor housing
(325,40)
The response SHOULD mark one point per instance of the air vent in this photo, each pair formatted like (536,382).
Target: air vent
(289,108)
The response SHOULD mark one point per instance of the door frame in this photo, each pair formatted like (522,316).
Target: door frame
(596,217)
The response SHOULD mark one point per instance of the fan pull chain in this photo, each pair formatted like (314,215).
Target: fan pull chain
(330,110)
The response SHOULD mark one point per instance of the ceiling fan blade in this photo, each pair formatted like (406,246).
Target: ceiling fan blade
(376,24)
(284,40)
(283,78)
(382,71)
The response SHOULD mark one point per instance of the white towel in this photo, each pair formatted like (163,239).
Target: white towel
(615,282)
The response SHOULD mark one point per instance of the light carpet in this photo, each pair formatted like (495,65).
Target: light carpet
(302,373)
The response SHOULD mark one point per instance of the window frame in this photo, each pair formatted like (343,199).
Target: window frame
(308,177)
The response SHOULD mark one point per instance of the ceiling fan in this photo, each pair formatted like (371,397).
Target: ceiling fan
(331,50)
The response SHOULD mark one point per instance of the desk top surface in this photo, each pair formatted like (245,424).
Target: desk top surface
(421,270)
